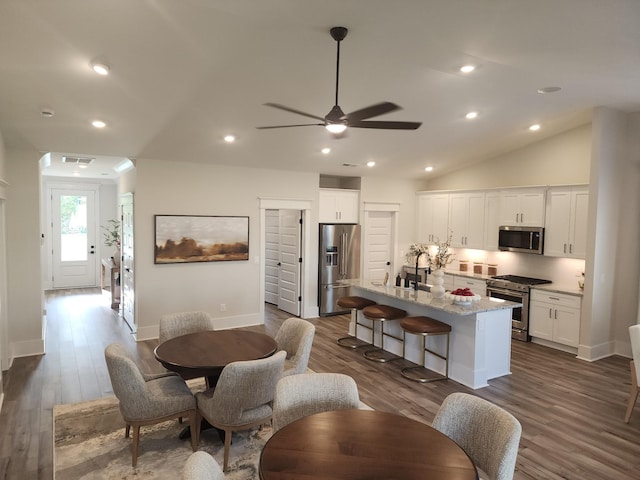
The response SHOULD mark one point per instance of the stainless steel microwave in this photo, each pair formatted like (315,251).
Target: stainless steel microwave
(521,239)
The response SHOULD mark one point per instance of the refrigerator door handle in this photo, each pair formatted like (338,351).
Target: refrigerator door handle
(343,256)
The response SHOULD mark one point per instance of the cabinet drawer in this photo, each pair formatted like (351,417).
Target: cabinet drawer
(477,286)
(556,298)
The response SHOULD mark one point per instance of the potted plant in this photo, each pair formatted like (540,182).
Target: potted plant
(112,238)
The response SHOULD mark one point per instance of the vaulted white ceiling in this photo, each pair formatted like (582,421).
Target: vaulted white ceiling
(185,73)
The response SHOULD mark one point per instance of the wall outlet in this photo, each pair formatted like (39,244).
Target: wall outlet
(223,307)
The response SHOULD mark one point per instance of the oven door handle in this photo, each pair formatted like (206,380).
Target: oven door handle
(513,293)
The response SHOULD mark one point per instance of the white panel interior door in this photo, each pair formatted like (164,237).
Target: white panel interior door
(74,232)
(127,263)
(290,240)
(378,241)
(272,257)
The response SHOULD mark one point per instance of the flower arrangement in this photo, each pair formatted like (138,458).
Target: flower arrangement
(440,259)
(112,233)
(416,250)
(443,256)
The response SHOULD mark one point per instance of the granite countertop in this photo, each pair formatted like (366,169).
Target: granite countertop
(421,297)
(561,288)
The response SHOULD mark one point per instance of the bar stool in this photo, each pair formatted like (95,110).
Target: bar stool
(426,327)
(381,313)
(354,304)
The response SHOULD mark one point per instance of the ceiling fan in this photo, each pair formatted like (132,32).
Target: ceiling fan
(336,121)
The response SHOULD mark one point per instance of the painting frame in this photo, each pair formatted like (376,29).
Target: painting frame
(200,238)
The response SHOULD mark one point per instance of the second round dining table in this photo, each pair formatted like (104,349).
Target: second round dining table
(363,444)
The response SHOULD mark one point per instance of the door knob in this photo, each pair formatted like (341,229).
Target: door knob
(279,264)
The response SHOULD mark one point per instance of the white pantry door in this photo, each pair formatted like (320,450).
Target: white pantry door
(289,286)
(272,257)
(73,233)
(378,245)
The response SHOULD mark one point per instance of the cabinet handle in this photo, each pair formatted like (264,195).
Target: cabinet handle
(570,248)
(554,298)
(555,314)
(522,218)
(564,248)
(550,312)
(516,218)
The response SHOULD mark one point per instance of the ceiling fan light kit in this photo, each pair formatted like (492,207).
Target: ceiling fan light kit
(336,121)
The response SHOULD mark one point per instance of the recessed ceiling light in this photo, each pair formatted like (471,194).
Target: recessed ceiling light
(229,138)
(98,124)
(371,164)
(549,89)
(326,150)
(100,68)
(471,115)
(428,169)
(534,128)
(467,68)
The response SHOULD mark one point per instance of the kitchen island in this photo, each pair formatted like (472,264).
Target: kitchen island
(480,345)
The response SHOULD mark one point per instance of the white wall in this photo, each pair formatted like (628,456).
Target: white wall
(24,291)
(195,189)
(4,357)
(559,160)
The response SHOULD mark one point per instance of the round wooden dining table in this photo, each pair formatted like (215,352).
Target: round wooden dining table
(363,444)
(206,353)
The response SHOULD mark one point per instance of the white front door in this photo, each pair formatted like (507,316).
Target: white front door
(378,245)
(74,234)
(126,262)
(272,257)
(289,285)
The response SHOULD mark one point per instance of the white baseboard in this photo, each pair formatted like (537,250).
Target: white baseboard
(222,323)
(27,348)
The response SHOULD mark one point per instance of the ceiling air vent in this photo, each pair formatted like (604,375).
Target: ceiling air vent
(78,160)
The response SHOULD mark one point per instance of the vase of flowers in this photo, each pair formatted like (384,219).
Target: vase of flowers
(438,262)
(112,238)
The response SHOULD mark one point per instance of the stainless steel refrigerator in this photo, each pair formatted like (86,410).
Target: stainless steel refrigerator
(339,260)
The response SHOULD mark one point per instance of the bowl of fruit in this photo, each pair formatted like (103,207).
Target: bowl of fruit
(462,296)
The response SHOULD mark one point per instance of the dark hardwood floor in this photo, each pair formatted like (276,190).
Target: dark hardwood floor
(571,411)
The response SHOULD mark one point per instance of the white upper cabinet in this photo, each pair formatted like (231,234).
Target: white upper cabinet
(491,220)
(566,222)
(466,219)
(338,205)
(432,217)
(523,207)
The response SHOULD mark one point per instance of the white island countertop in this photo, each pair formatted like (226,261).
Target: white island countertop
(421,297)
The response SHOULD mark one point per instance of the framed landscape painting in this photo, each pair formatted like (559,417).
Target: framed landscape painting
(200,238)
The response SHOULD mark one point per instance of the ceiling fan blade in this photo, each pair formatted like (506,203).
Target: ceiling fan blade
(287,126)
(387,125)
(292,110)
(372,111)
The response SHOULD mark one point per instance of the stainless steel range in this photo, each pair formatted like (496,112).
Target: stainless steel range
(515,289)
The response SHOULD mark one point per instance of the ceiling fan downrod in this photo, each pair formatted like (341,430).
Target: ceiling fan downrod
(338,34)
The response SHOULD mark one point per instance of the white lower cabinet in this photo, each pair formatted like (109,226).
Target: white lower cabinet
(555,317)
(477,286)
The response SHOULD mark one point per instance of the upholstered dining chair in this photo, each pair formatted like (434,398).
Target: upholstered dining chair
(182,323)
(202,466)
(301,395)
(242,398)
(486,432)
(295,336)
(147,399)
(634,365)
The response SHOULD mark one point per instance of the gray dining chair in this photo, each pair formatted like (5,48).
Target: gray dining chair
(202,466)
(242,398)
(634,367)
(301,395)
(295,337)
(486,432)
(182,323)
(147,399)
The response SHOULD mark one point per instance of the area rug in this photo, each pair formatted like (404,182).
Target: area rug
(89,443)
